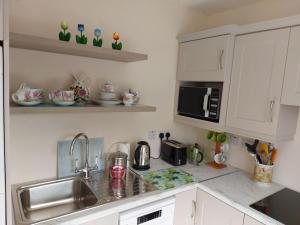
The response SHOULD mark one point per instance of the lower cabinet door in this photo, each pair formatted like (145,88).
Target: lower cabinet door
(185,208)
(250,221)
(107,220)
(211,211)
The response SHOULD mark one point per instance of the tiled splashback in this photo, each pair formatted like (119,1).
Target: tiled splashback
(66,162)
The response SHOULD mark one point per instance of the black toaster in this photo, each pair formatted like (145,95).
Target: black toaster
(173,152)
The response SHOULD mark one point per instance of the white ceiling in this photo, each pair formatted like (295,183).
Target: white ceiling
(213,6)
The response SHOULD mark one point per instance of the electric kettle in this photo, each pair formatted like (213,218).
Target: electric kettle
(141,160)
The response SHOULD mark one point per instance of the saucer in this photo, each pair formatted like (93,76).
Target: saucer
(31,103)
(64,103)
(107,102)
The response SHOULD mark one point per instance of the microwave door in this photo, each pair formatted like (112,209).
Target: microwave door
(193,101)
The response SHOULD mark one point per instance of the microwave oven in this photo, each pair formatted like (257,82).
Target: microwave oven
(200,101)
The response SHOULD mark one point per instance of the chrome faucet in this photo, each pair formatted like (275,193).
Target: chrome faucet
(86,169)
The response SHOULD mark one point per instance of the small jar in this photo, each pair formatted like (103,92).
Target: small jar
(118,165)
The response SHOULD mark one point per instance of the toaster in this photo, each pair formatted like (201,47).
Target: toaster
(173,152)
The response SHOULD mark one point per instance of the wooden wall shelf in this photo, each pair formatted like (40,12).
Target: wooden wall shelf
(48,108)
(24,41)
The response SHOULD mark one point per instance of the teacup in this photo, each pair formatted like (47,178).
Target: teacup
(220,158)
(25,94)
(62,96)
(108,87)
(128,99)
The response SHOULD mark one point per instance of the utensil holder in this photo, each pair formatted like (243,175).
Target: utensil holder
(263,173)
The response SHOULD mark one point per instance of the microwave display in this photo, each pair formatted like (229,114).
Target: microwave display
(200,102)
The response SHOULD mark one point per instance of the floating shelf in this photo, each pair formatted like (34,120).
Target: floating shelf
(30,42)
(48,108)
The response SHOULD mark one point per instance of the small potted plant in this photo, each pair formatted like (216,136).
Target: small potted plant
(82,39)
(97,42)
(64,35)
(115,45)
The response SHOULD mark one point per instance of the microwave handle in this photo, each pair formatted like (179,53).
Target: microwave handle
(205,102)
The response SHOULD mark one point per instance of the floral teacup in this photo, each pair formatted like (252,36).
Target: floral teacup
(108,87)
(26,94)
(128,99)
(62,96)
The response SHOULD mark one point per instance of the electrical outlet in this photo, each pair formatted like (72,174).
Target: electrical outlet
(152,135)
(234,140)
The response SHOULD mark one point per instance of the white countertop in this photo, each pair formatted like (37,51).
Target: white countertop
(239,191)
(231,185)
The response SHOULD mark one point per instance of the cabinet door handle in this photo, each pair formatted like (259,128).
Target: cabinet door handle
(272,103)
(221,60)
(193,209)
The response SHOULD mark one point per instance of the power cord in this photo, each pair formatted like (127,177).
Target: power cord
(161,137)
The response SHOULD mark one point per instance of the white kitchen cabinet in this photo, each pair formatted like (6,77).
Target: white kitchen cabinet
(291,87)
(204,59)
(250,221)
(211,211)
(107,220)
(1,19)
(254,107)
(185,207)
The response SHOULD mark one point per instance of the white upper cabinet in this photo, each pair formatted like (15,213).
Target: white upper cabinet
(1,19)
(291,87)
(254,108)
(204,59)
(211,211)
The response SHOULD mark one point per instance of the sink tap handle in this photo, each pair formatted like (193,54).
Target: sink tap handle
(76,166)
(96,163)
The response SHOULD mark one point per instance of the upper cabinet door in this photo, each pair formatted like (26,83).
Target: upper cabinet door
(203,60)
(291,87)
(256,81)
(1,19)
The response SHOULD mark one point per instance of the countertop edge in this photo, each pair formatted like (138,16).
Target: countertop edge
(119,206)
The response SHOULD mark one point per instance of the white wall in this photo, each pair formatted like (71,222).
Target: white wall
(287,167)
(145,26)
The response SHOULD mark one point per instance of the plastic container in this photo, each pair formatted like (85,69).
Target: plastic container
(263,173)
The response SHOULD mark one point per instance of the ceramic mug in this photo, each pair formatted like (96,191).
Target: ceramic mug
(27,95)
(220,158)
(62,96)
(128,99)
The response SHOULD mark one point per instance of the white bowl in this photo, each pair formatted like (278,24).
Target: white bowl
(107,95)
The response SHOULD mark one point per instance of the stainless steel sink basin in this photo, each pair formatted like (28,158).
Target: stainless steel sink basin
(48,201)
(51,199)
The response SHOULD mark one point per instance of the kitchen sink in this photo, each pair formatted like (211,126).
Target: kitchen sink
(50,200)
(55,198)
